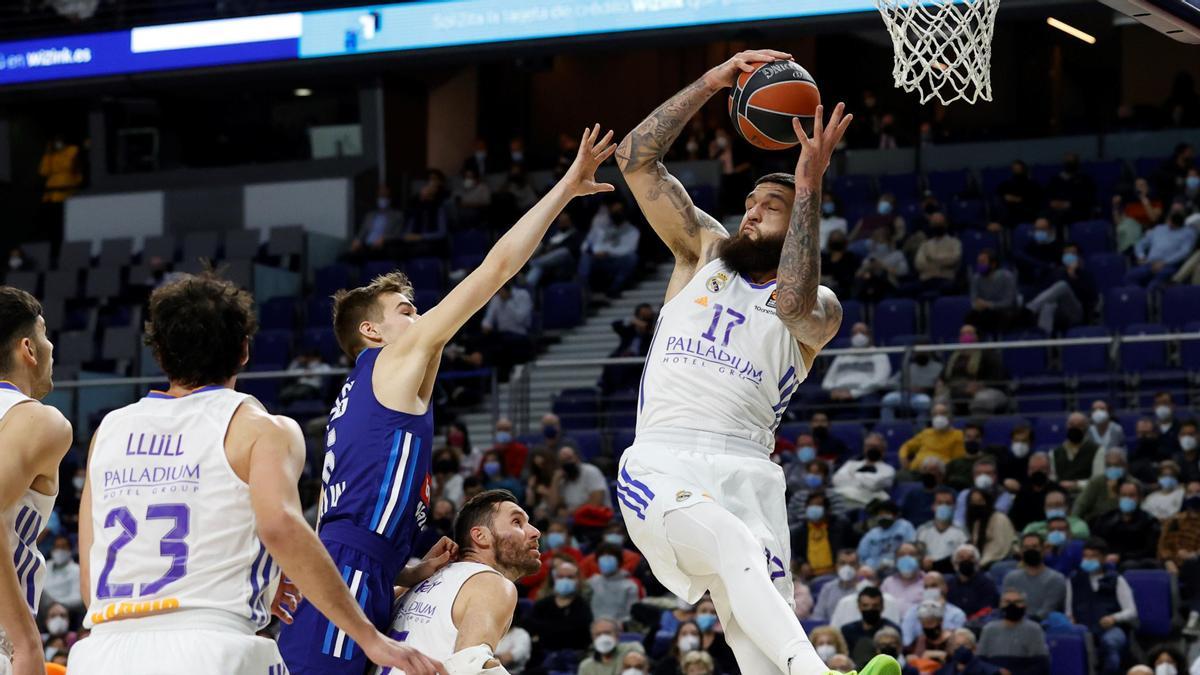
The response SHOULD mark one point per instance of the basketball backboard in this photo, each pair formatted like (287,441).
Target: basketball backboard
(1177,19)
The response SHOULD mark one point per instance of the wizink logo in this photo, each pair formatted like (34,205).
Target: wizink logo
(707,355)
(63,56)
(656,5)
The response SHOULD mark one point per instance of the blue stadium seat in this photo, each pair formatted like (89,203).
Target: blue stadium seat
(1050,429)
(1140,357)
(946,317)
(948,184)
(375,268)
(470,242)
(272,348)
(991,178)
(1039,394)
(1152,595)
(1107,270)
(1106,174)
(324,341)
(1123,306)
(850,433)
(967,212)
(1093,236)
(265,390)
(425,299)
(630,637)
(998,430)
(426,273)
(1000,569)
(562,306)
(318,311)
(1022,234)
(277,314)
(620,441)
(853,189)
(704,197)
(1146,166)
(1068,653)
(589,443)
(1179,305)
(810,624)
(331,278)
(1042,173)
(902,186)
(1084,359)
(577,408)
(791,430)
(974,241)
(852,313)
(895,433)
(894,317)
(1025,361)
(901,490)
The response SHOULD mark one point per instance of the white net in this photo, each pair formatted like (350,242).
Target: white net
(943,47)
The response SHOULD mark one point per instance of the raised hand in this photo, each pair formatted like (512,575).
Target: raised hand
(726,74)
(287,598)
(816,151)
(580,179)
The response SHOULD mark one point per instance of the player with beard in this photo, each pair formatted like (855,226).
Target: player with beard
(460,613)
(744,318)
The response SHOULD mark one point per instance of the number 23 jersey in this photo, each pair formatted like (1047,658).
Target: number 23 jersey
(172,524)
(721,360)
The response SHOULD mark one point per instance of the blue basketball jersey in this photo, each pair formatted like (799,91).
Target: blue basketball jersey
(376,475)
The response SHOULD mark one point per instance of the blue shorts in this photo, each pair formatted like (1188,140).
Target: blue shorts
(312,644)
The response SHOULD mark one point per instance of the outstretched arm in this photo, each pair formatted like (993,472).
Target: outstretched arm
(811,311)
(513,250)
(685,229)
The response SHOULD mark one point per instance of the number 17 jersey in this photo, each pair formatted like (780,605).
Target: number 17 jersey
(172,524)
(721,361)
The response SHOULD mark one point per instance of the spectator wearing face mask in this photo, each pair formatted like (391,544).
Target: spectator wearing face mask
(514,453)
(820,536)
(860,634)
(1165,501)
(1188,456)
(556,545)
(887,642)
(1133,534)
(940,440)
(883,268)
(923,372)
(932,644)
(1161,251)
(380,227)
(553,437)
(832,592)
(58,624)
(1167,424)
(907,584)
(960,473)
(1029,503)
(831,218)
(1104,431)
(849,608)
(697,663)
(917,505)
(1045,589)
(687,640)
(494,477)
(1179,549)
(472,199)
(1102,601)
(1014,635)
(62,577)
(861,481)
(447,480)
(1055,506)
(853,376)
(839,264)
(1070,296)
(1071,194)
(614,535)
(937,260)
(1167,661)
(611,247)
(970,588)
(993,292)
(1062,552)
(607,653)
(613,590)
(885,216)
(580,483)
(561,620)
(1102,492)
(828,642)
(829,447)
(962,659)
(712,637)
(1072,462)
(1041,256)
(989,530)
(973,377)
(941,537)
(952,617)
(635,663)
(985,479)
(1020,196)
(880,545)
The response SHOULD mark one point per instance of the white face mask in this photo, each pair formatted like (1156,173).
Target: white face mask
(632,671)
(688,643)
(1163,413)
(984,481)
(1099,416)
(14,262)
(846,572)
(60,556)
(57,625)
(693,147)
(1166,669)
(934,594)
(722,142)
(468,183)
(1019,449)
(77,481)
(826,652)
(604,643)
(941,422)
(859,340)
(1188,443)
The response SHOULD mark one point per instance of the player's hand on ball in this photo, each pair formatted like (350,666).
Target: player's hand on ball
(815,151)
(287,599)
(387,652)
(580,179)
(725,75)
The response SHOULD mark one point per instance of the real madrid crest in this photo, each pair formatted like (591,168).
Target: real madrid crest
(716,282)
(682,496)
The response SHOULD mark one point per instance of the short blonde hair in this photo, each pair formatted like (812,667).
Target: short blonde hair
(697,657)
(352,307)
(829,631)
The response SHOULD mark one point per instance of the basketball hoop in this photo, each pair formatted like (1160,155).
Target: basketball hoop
(943,47)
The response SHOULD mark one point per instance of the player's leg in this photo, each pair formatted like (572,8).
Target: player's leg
(708,540)
(750,658)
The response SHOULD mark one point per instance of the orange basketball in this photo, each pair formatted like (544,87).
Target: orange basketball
(763,103)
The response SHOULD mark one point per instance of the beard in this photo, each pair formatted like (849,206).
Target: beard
(512,555)
(744,255)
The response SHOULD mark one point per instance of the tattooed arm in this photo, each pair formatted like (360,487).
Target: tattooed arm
(811,312)
(689,232)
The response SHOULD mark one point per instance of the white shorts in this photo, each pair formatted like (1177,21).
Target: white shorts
(666,470)
(191,646)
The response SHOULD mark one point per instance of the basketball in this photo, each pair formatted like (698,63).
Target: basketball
(763,103)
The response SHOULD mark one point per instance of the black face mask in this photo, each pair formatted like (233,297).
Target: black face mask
(1075,435)
(445,466)
(889,650)
(871,616)
(874,455)
(837,245)
(571,469)
(937,231)
(1014,612)
(1038,479)
(972,447)
(929,481)
(820,433)
(1148,446)
(967,568)
(963,655)
(885,523)
(921,359)
(933,633)
(1032,557)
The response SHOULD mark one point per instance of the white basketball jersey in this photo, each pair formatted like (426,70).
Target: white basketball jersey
(24,522)
(172,523)
(424,618)
(721,361)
